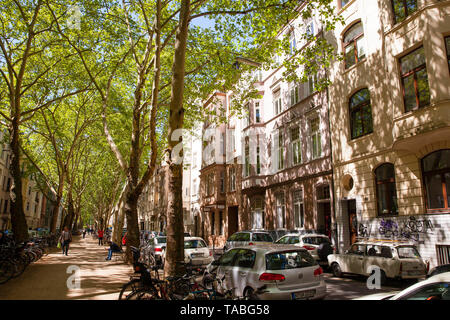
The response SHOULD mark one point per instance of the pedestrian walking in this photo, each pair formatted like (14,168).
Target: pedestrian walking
(100,237)
(84,233)
(65,240)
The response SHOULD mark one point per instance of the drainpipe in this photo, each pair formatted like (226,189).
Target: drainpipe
(334,229)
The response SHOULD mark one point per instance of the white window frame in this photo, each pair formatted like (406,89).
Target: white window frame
(298,202)
(315,154)
(277,103)
(258,211)
(281,211)
(298,141)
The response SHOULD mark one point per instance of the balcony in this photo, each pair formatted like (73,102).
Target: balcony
(417,129)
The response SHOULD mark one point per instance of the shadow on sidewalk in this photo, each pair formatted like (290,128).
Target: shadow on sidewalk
(51,277)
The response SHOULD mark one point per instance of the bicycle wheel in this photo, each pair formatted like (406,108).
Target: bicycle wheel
(144,294)
(19,266)
(6,271)
(130,287)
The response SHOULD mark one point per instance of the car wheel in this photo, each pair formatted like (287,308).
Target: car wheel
(249,294)
(337,272)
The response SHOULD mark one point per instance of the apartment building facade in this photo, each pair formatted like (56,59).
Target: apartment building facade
(390,123)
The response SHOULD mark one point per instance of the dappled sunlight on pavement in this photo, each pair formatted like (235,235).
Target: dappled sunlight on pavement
(47,279)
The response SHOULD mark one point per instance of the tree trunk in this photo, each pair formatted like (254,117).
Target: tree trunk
(175,228)
(131,213)
(56,207)
(18,220)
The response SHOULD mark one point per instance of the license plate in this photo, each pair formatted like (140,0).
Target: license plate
(304,294)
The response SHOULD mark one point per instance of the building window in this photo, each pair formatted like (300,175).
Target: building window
(386,190)
(258,214)
(360,114)
(294,94)
(210,184)
(299,216)
(258,161)
(403,8)
(436,178)
(222,181)
(247,158)
(277,101)
(416,92)
(353,45)
(279,149)
(213,223)
(316,145)
(447,45)
(281,211)
(296,146)
(232,179)
(221,223)
(257,113)
(343,3)
(310,28)
(292,43)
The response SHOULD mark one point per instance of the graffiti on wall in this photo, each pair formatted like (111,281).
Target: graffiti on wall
(409,229)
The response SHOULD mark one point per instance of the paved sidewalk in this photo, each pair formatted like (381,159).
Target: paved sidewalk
(47,278)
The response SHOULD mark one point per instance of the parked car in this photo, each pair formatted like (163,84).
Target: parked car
(318,245)
(243,238)
(439,269)
(277,234)
(395,260)
(434,288)
(287,272)
(196,252)
(157,247)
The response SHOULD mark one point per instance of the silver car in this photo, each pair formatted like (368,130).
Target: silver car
(288,272)
(157,247)
(245,238)
(318,245)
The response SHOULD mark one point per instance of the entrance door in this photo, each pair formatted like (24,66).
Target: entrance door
(352,220)
(233,220)
(324,218)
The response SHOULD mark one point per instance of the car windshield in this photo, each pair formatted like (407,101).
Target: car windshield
(262,237)
(316,240)
(193,244)
(161,239)
(408,253)
(289,260)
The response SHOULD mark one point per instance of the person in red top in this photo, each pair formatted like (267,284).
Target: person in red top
(124,239)
(100,237)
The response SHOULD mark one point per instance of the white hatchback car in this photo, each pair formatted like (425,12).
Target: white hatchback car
(395,259)
(434,288)
(318,245)
(287,271)
(196,252)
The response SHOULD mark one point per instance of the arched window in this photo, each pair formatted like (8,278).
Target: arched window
(353,45)
(386,191)
(360,114)
(436,178)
